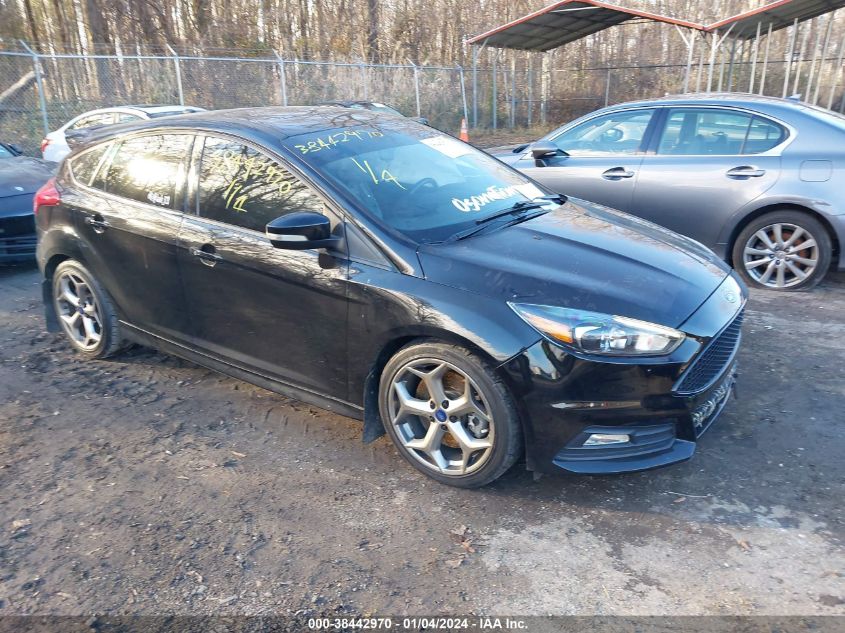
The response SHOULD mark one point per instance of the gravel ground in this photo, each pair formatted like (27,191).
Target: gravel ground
(148,485)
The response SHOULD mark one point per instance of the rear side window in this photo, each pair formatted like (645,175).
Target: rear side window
(763,135)
(84,166)
(717,132)
(149,169)
(95,119)
(241,186)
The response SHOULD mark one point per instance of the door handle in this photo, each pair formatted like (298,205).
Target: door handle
(617,173)
(97,223)
(206,254)
(746,171)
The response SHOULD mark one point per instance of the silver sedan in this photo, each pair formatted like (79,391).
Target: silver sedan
(759,180)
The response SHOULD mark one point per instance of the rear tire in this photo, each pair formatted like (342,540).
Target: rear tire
(785,251)
(85,312)
(449,415)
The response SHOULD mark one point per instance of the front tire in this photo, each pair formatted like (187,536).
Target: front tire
(85,312)
(784,251)
(449,415)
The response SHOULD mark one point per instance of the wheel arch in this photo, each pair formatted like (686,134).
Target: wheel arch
(373,424)
(50,265)
(781,206)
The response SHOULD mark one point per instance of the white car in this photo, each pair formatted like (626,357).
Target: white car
(55,147)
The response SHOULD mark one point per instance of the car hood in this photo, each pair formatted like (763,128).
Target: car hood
(22,175)
(584,256)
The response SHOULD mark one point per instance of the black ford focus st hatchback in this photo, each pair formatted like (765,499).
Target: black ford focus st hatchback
(375,267)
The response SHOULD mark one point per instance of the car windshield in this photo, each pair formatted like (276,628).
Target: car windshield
(4,153)
(426,185)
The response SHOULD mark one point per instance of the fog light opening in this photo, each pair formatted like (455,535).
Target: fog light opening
(606,439)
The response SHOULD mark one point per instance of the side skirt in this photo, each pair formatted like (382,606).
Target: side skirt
(342,407)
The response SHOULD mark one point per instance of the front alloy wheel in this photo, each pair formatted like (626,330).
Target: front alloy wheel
(441,417)
(449,415)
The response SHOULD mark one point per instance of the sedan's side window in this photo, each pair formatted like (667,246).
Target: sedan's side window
(763,135)
(149,169)
(94,119)
(614,133)
(718,132)
(125,117)
(244,187)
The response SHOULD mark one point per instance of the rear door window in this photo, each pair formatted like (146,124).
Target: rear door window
(84,166)
(241,186)
(718,132)
(763,135)
(149,169)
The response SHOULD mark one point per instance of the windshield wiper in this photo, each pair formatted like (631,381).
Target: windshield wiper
(519,207)
(483,223)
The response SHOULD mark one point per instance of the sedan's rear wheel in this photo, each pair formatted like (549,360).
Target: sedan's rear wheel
(85,311)
(449,415)
(785,250)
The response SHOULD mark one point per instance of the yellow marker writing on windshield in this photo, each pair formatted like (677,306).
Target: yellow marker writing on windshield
(386,176)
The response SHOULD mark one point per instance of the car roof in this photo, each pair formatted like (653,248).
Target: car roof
(266,125)
(148,109)
(736,99)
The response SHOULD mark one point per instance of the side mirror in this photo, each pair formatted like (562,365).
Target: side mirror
(302,230)
(421,119)
(544,149)
(16,148)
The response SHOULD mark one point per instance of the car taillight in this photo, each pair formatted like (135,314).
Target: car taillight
(44,144)
(47,196)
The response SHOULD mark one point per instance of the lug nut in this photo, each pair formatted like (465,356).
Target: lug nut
(452,418)
(431,405)
(443,426)
(445,404)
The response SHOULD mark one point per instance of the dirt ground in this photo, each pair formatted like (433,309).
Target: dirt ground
(146,484)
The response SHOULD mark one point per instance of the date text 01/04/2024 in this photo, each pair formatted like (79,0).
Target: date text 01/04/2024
(419,623)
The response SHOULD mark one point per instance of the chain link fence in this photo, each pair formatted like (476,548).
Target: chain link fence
(40,92)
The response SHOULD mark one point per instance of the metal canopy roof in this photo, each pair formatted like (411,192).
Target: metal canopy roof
(570,20)
(565,22)
(780,15)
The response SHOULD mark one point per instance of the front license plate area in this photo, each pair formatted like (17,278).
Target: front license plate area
(709,408)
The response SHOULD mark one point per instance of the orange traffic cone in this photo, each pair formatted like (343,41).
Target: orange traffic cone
(464,135)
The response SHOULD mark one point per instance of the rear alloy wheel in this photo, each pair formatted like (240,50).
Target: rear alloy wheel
(786,250)
(84,311)
(449,415)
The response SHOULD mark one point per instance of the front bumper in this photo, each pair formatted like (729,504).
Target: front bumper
(565,400)
(17,238)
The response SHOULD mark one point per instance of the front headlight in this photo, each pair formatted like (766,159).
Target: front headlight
(596,333)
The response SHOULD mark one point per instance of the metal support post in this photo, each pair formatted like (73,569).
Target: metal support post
(755,52)
(416,86)
(39,83)
(495,90)
(176,65)
(766,60)
(282,80)
(789,57)
(837,76)
(463,93)
(824,59)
